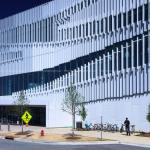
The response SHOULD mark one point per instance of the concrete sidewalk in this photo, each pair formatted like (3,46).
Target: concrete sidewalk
(122,138)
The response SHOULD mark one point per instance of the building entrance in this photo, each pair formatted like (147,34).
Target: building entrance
(8,114)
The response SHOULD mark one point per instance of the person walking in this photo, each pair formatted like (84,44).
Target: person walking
(127,126)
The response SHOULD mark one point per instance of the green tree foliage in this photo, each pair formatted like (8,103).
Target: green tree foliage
(21,103)
(83,112)
(148,114)
(72,102)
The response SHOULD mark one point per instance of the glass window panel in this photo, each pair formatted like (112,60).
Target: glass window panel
(115,61)
(140,52)
(129,17)
(86,29)
(135,15)
(77,32)
(110,63)
(73,32)
(77,77)
(68,33)
(102,25)
(106,64)
(124,57)
(83,30)
(46,30)
(110,23)
(93,70)
(119,59)
(74,8)
(102,67)
(86,72)
(115,22)
(119,20)
(81,5)
(106,25)
(146,48)
(135,53)
(80,75)
(73,77)
(98,27)
(94,26)
(83,73)
(140,13)
(146,12)
(88,2)
(80,31)
(98,67)
(129,55)
(90,28)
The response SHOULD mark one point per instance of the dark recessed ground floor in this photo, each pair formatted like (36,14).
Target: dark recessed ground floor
(9,114)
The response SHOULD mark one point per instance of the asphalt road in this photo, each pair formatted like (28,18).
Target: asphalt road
(13,145)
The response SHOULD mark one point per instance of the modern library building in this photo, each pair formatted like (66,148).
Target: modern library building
(102,47)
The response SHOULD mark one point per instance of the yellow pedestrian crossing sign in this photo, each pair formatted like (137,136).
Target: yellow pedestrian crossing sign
(26,117)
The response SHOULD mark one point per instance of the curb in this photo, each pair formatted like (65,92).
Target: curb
(1,137)
(66,143)
(78,143)
(81,143)
(134,144)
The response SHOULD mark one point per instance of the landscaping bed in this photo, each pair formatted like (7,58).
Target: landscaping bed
(144,134)
(34,136)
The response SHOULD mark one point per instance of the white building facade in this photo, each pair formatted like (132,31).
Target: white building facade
(101,46)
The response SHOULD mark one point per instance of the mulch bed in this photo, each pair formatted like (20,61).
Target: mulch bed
(24,133)
(144,134)
(9,137)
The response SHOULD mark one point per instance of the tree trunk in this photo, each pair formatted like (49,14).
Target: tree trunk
(21,119)
(73,121)
(73,124)
(22,125)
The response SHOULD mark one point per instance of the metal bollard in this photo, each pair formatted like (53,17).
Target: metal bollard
(8,126)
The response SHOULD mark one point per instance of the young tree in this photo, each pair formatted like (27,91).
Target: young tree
(83,112)
(21,105)
(148,114)
(71,103)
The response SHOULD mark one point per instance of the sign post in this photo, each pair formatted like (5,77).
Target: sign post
(101,128)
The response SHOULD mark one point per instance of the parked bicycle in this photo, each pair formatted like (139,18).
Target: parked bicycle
(132,128)
(104,127)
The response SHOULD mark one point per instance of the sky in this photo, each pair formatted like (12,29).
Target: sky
(10,7)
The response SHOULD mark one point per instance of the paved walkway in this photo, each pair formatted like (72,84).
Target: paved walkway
(133,139)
